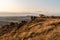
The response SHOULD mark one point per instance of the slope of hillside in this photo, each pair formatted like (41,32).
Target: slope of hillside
(38,29)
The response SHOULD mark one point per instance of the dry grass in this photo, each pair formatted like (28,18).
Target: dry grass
(39,29)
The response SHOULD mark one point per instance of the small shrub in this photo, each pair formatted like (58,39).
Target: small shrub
(33,17)
(12,23)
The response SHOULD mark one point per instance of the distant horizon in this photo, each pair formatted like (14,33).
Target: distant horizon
(5,14)
(2,14)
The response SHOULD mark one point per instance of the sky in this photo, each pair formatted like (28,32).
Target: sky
(32,6)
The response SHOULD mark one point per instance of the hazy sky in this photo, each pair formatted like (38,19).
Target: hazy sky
(37,6)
